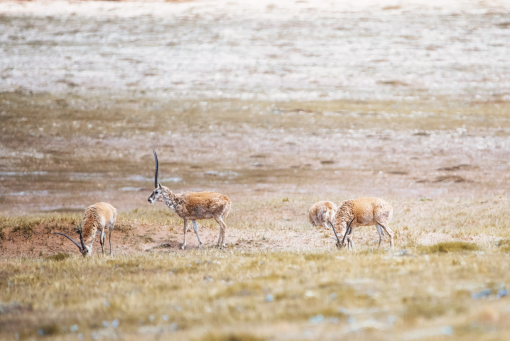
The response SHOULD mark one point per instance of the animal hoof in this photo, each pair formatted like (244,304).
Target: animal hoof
(182,247)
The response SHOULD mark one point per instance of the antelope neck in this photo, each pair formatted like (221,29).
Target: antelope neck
(166,197)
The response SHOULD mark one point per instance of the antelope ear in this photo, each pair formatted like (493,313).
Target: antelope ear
(159,185)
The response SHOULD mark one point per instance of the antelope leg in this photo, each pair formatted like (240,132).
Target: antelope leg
(196,231)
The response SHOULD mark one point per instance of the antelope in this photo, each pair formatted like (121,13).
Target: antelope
(193,206)
(98,216)
(363,212)
(321,212)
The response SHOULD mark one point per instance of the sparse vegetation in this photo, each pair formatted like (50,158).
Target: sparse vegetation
(243,294)
(3,224)
(25,225)
(449,247)
(58,257)
(427,310)
(439,159)
(504,245)
(47,330)
(229,337)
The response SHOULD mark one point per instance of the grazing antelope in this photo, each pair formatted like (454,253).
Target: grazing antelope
(193,206)
(321,212)
(98,216)
(363,212)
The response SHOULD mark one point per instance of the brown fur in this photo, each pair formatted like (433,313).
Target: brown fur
(200,205)
(195,205)
(98,217)
(321,212)
(364,212)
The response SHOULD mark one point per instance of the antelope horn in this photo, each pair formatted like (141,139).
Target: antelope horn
(81,238)
(348,230)
(157,167)
(333,227)
(75,243)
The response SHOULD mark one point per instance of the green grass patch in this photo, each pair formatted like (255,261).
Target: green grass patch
(505,248)
(504,245)
(426,310)
(58,257)
(47,330)
(449,247)
(229,337)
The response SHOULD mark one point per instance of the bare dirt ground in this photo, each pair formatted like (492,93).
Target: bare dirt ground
(265,225)
(149,239)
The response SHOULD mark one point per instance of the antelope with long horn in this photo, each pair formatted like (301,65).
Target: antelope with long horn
(97,217)
(362,212)
(193,206)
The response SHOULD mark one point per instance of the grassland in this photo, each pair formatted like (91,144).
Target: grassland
(277,279)
(277,107)
(444,172)
(253,295)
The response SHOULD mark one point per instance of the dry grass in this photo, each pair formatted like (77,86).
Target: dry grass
(237,295)
(441,162)
(24,225)
(255,292)
(277,278)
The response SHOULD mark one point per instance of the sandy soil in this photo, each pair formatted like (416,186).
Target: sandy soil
(162,239)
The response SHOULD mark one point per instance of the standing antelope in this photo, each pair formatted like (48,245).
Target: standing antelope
(321,212)
(98,216)
(363,212)
(193,206)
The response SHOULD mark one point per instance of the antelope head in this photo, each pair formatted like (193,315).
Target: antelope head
(85,250)
(339,244)
(157,193)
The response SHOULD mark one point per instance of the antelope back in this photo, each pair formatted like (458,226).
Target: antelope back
(210,202)
(321,211)
(367,211)
(97,216)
